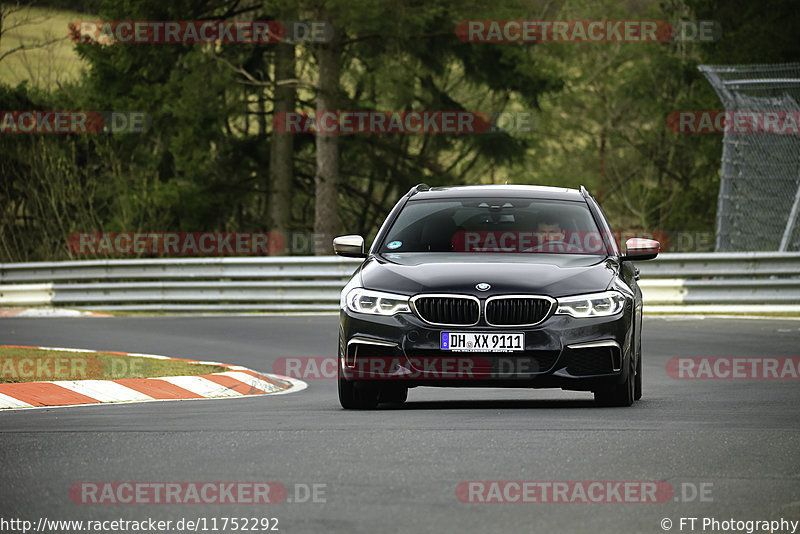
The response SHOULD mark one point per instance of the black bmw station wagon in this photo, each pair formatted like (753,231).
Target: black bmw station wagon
(496,285)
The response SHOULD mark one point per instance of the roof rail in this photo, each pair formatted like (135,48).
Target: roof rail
(417,188)
(585,193)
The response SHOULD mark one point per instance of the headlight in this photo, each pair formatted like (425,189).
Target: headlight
(593,305)
(376,302)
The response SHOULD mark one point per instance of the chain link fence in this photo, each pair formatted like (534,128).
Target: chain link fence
(759,196)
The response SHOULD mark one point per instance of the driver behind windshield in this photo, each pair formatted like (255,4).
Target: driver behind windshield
(549,230)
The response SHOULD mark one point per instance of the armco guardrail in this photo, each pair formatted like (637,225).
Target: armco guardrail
(187,284)
(725,282)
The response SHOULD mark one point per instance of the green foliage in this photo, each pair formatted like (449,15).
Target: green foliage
(607,129)
(203,165)
(752,32)
(48,188)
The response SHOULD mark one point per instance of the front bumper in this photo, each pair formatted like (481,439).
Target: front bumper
(562,351)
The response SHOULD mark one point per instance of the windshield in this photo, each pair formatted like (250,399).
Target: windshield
(492,225)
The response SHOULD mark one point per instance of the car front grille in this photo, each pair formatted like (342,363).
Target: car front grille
(447,309)
(517,310)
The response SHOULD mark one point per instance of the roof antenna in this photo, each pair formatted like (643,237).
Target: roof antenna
(506,183)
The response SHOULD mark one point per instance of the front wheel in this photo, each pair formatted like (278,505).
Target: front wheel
(352,397)
(619,394)
(393,394)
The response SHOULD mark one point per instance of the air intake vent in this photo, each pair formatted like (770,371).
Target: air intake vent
(517,310)
(447,310)
(592,359)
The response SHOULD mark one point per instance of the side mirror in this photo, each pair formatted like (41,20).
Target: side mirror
(640,249)
(349,246)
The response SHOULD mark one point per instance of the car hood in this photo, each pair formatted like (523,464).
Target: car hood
(555,275)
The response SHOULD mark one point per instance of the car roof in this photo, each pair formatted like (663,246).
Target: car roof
(494,190)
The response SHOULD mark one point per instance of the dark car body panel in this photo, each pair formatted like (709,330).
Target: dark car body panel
(548,274)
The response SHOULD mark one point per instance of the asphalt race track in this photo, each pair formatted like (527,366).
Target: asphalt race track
(396,470)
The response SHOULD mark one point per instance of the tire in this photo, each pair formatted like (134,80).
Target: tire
(393,395)
(620,394)
(637,386)
(352,397)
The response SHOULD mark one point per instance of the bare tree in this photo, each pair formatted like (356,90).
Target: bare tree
(281,168)
(13,16)
(326,202)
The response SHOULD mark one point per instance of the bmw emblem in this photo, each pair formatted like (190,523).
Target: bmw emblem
(483,286)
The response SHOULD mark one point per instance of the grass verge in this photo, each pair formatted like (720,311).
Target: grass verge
(36,365)
(48,56)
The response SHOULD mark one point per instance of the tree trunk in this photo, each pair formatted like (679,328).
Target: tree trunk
(326,202)
(281,150)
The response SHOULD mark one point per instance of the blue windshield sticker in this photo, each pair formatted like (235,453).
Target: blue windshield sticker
(394,244)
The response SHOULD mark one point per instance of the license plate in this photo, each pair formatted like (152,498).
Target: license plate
(482,342)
